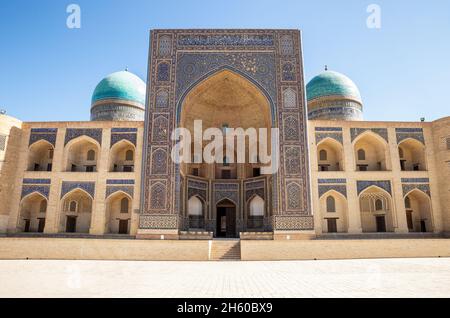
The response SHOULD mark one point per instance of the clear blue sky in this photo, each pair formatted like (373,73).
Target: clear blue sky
(48,72)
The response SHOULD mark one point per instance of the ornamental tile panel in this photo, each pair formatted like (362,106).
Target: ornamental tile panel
(94,133)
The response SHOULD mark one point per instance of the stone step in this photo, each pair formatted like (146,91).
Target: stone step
(225,250)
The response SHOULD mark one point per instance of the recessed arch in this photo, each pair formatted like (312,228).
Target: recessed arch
(376,152)
(78,221)
(376,210)
(118,220)
(196,212)
(32,215)
(413,158)
(40,156)
(118,160)
(334,221)
(76,154)
(334,159)
(218,71)
(419,214)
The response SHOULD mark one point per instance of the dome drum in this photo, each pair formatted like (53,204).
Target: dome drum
(333,96)
(119,97)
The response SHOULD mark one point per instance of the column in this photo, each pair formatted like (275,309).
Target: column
(353,208)
(398,203)
(98,218)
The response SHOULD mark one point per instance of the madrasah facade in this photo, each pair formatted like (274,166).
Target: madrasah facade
(112,176)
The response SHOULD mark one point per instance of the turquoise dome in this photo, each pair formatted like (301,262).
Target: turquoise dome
(120,85)
(331,83)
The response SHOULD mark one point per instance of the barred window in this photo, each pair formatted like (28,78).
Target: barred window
(448,143)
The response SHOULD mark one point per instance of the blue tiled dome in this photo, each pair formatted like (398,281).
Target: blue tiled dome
(333,96)
(120,85)
(331,83)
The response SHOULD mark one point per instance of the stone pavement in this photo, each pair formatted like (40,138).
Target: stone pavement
(345,278)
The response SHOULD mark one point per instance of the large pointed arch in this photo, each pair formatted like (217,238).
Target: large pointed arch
(215,72)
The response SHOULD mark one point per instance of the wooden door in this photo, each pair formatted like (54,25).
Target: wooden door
(71,224)
(41,225)
(381,224)
(123,226)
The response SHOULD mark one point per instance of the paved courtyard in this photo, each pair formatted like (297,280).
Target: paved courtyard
(348,278)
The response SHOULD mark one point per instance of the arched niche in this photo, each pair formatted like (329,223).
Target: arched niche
(256,212)
(40,156)
(122,157)
(32,216)
(76,212)
(419,216)
(371,153)
(330,155)
(334,212)
(412,155)
(118,213)
(225,100)
(82,155)
(376,210)
(196,213)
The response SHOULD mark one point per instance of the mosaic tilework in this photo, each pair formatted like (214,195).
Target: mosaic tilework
(405,133)
(286,45)
(36,181)
(363,185)
(255,187)
(164,45)
(118,182)
(269,59)
(382,132)
(289,98)
(31,188)
(228,191)
(338,185)
(335,110)
(164,222)
(163,73)
(198,188)
(116,112)
(118,134)
(422,184)
(124,130)
(162,99)
(41,186)
(113,189)
(48,134)
(68,186)
(415,180)
(94,133)
(292,223)
(422,187)
(342,189)
(257,67)
(332,181)
(225,40)
(328,132)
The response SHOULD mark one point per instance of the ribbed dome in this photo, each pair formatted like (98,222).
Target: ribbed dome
(333,96)
(331,83)
(120,85)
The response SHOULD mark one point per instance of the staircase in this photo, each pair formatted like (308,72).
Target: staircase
(225,250)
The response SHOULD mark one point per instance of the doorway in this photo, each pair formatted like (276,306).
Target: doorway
(226,220)
(71,224)
(381,224)
(123,226)
(41,225)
